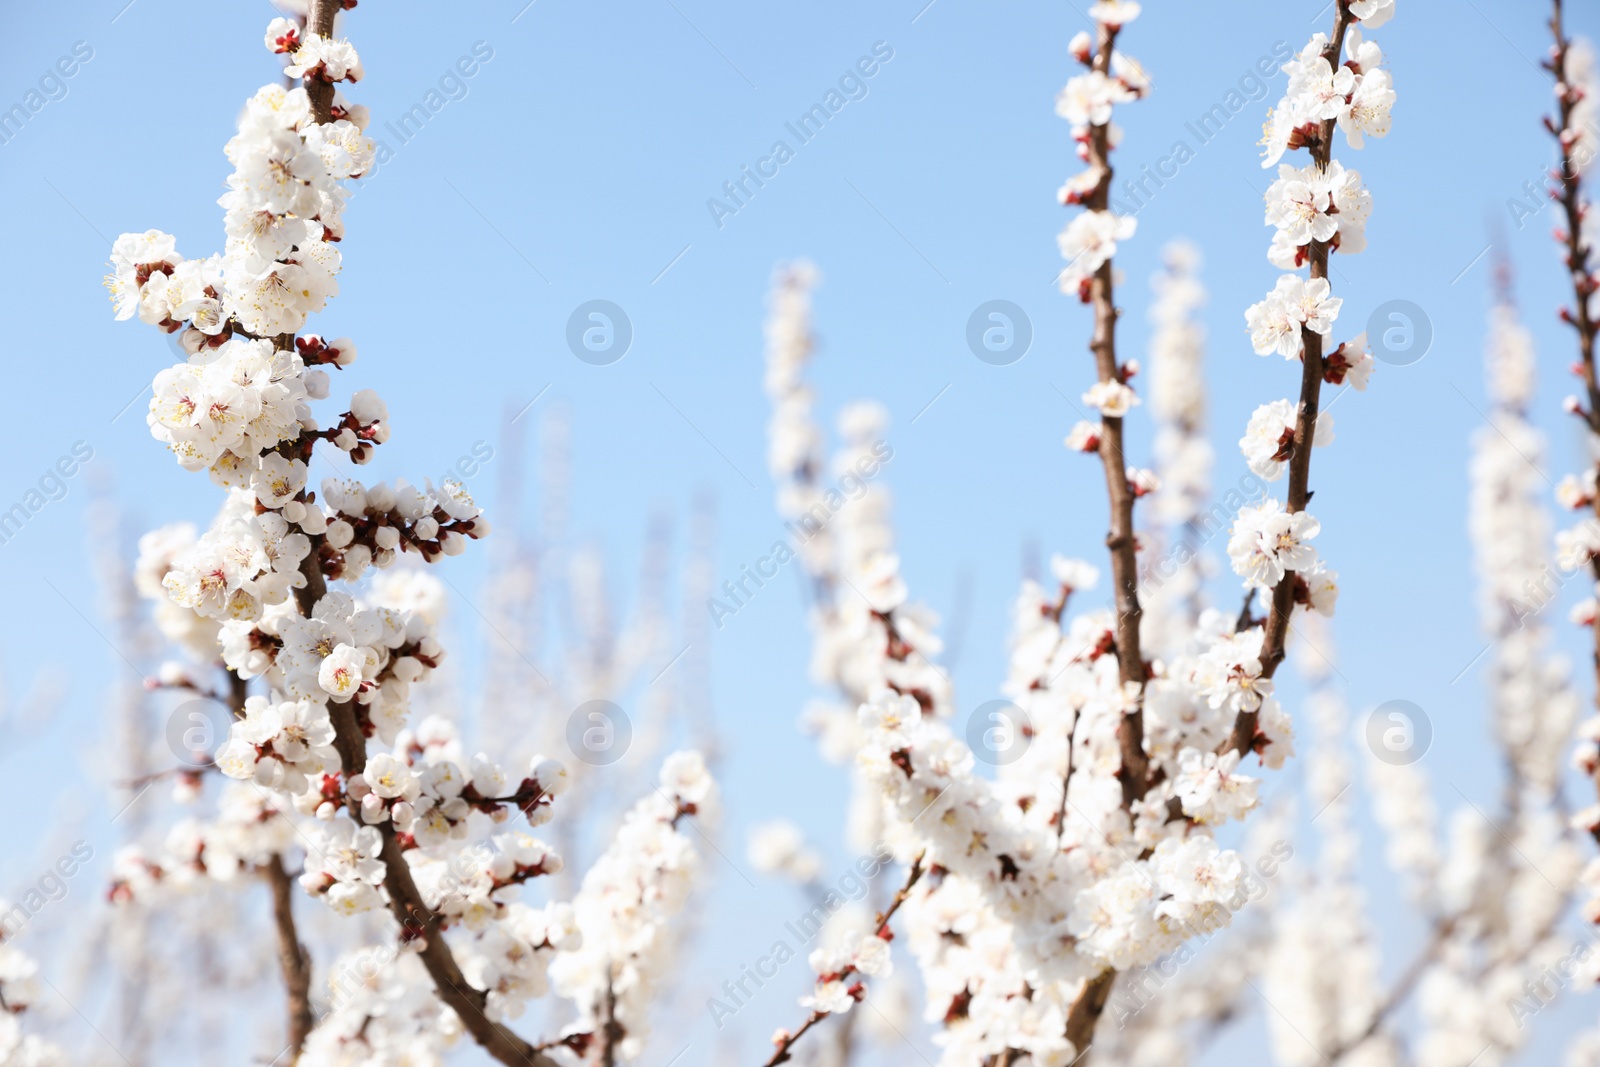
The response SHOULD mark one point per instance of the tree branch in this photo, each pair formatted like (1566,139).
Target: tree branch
(785,1041)
(1305,424)
(320,22)
(416,920)
(610,1031)
(1133,774)
(1135,769)
(1086,1012)
(293,958)
(1570,197)
(1577,254)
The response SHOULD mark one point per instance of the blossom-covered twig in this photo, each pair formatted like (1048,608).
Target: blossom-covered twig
(1493,891)
(1317,210)
(835,985)
(1572,63)
(1572,66)
(1090,242)
(338,672)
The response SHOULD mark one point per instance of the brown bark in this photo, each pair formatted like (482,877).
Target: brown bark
(1086,1012)
(293,958)
(417,921)
(1305,424)
(611,1032)
(320,93)
(1135,770)
(405,901)
(1577,255)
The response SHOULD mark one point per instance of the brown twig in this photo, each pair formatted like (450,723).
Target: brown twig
(419,923)
(293,955)
(785,1042)
(293,958)
(1573,207)
(1133,772)
(1570,197)
(610,1031)
(1577,255)
(320,21)
(416,920)
(1305,424)
(1120,539)
(1086,1012)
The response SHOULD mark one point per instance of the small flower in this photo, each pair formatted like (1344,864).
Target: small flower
(1112,398)
(1088,242)
(340,673)
(1085,437)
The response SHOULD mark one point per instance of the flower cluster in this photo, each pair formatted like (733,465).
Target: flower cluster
(1295,306)
(1090,239)
(1357,94)
(835,992)
(322,756)
(221,410)
(251,826)
(1313,203)
(626,908)
(382,1012)
(283,209)
(19,989)
(1317,209)
(1064,898)
(1268,440)
(1267,543)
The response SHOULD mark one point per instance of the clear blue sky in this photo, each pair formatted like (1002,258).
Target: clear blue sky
(577,165)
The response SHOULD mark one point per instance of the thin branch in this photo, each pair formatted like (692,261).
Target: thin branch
(1133,773)
(1573,207)
(785,1040)
(610,1031)
(1086,1012)
(417,921)
(1305,424)
(1135,769)
(293,958)
(1570,197)
(420,924)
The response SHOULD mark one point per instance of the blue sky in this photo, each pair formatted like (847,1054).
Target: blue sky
(576,163)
